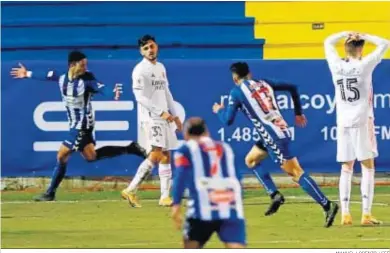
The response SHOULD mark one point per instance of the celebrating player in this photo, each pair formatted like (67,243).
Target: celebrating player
(249,96)
(206,168)
(157,112)
(352,79)
(77,88)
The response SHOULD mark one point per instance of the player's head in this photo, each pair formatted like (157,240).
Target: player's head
(194,128)
(77,62)
(240,70)
(148,47)
(354,46)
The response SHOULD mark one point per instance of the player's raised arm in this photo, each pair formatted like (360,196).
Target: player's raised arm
(23,72)
(382,45)
(97,87)
(228,114)
(138,89)
(331,53)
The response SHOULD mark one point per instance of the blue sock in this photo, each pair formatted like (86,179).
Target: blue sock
(56,179)
(311,188)
(265,179)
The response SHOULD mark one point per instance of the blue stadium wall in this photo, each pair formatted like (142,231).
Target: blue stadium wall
(33,117)
(198,42)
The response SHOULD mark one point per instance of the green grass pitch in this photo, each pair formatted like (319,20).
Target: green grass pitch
(102,220)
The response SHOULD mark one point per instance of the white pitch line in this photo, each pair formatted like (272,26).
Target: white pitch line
(152,200)
(336,200)
(249,242)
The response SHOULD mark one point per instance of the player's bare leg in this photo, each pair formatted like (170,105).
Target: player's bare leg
(165,174)
(345,185)
(367,191)
(294,169)
(144,170)
(252,160)
(234,246)
(58,174)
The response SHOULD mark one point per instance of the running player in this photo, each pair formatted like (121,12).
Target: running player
(206,168)
(77,88)
(158,120)
(258,153)
(352,79)
(256,99)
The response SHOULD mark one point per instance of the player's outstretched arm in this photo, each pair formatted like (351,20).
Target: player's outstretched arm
(22,72)
(331,53)
(228,114)
(300,118)
(382,45)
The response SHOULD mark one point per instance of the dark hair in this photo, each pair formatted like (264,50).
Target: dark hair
(144,40)
(355,43)
(240,68)
(195,126)
(75,56)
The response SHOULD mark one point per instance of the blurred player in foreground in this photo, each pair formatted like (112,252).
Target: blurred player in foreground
(206,167)
(77,88)
(257,100)
(157,109)
(352,79)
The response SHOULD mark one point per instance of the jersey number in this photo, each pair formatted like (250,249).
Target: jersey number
(157,131)
(264,103)
(348,85)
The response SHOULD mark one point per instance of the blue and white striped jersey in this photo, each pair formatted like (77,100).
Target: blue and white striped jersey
(77,95)
(206,167)
(257,100)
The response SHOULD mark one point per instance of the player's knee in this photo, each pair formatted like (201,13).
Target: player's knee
(368,164)
(293,168)
(156,156)
(90,157)
(166,157)
(62,157)
(250,161)
(347,166)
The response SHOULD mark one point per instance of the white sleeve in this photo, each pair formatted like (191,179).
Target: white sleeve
(375,57)
(171,102)
(139,82)
(330,46)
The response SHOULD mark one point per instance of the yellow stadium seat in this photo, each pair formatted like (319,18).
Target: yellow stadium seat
(288,30)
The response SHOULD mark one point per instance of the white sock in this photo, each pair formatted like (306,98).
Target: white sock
(144,169)
(345,190)
(165,173)
(367,189)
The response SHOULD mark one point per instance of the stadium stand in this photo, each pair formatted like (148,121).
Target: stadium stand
(110,29)
(288,26)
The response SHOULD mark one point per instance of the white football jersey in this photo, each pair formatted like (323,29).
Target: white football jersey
(352,79)
(151,89)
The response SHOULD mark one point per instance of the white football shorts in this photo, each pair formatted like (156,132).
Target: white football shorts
(158,133)
(356,143)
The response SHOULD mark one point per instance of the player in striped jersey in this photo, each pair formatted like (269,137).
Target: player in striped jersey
(77,87)
(206,168)
(256,99)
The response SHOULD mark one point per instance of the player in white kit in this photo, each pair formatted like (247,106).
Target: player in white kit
(158,121)
(352,78)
